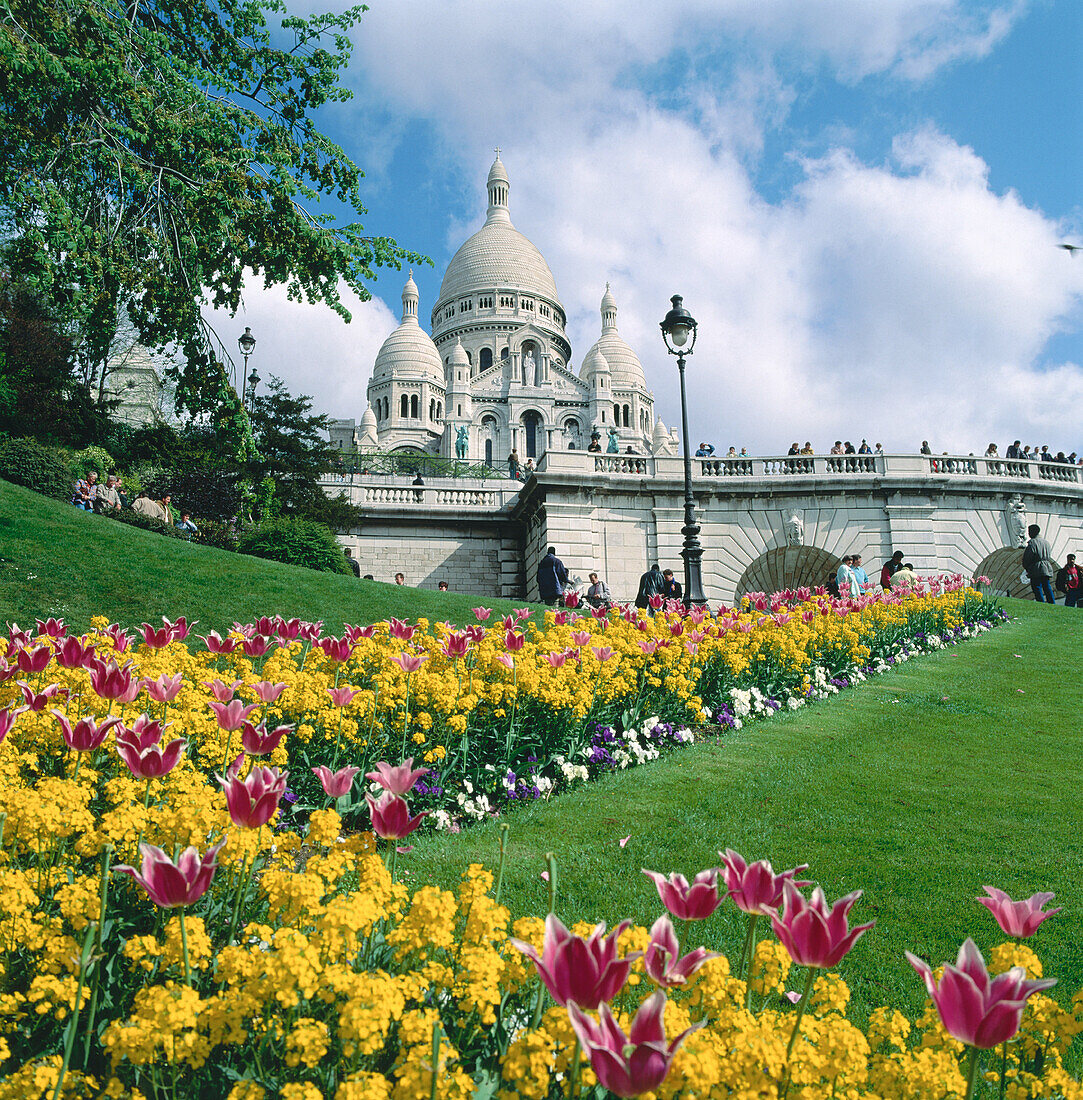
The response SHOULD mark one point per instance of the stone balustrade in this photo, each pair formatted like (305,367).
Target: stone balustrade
(437,494)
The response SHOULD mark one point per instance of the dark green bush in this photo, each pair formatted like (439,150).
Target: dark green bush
(26,462)
(144,523)
(223,536)
(295,542)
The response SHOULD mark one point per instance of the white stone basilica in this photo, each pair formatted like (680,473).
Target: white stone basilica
(497,374)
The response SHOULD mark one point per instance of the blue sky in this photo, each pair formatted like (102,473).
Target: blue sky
(859,200)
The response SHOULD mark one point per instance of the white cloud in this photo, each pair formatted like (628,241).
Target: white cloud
(310,347)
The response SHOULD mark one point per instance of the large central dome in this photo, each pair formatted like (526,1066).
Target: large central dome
(498,255)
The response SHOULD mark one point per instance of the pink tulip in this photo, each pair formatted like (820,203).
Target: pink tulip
(110,681)
(509,622)
(1017,918)
(603,653)
(7,670)
(398,780)
(588,971)
(180,629)
(571,599)
(266,626)
(751,886)
(562,617)
(86,735)
(224,693)
(814,933)
(53,628)
(267,692)
(255,647)
(253,801)
(648,647)
(555,660)
(143,731)
(390,817)
(580,637)
(695,902)
(662,960)
(629,1065)
(73,653)
(232,715)
(523,613)
(401,630)
(39,700)
(335,784)
(506,660)
(31,661)
(456,645)
(149,761)
(165,689)
(217,644)
(410,662)
(8,717)
(343,696)
(256,741)
(482,613)
(170,884)
(975,1008)
(514,641)
(336,649)
(655,602)
(156,637)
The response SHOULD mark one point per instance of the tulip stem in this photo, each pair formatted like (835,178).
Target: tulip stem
(551,860)
(73,1023)
(504,827)
(107,854)
(143,825)
(184,949)
(406,718)
(436,1029)
(1003,1066)
(573,1070)
(796,1029)
(242,889)
(972,1073)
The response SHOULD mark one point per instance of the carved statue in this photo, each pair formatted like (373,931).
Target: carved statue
(613,446)
(795,529)
(462,437)
(528,369)
(1017,520)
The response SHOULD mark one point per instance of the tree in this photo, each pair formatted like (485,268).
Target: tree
(153,150)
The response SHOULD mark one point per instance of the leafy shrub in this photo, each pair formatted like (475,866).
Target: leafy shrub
(295,542)
(144,523)
(93,458)
(210,494)
(222,536)
(28,463)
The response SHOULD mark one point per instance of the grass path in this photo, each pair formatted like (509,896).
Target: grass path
(919,786)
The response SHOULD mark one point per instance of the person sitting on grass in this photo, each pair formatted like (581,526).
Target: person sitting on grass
(147,508)
(185,526)
(86,492)
(108,499)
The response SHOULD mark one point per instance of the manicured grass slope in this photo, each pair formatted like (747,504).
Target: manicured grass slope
(918,787)
(58,560)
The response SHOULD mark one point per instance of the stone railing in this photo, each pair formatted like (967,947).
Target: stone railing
(802,467)
(446,494)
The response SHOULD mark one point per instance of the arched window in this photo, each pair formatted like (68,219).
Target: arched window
(439,410)
(486,358)
(413,407)
(616,415)
(627,416)
(432,408)
(503,354)
(404,406)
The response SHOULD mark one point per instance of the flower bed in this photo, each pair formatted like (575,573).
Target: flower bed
(279,956)
(499,712)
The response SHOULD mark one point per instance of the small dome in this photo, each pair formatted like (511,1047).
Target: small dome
(498,173)
(661,433)
(623,362)
(594,362)
(409,352)
(368,421)
(458,357)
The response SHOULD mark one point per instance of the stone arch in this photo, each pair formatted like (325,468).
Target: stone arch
(1004,568)
(788,567)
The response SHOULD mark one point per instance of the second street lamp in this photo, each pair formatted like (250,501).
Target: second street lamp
(247,344)
(679,330)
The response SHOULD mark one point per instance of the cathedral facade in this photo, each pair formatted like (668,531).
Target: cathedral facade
(496,374)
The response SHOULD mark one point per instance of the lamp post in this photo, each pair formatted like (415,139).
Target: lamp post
(678,330)
(253,382)
(247,344)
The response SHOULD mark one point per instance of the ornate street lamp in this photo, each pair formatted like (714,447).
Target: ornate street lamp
(679,335)
(247,344)
(253,382)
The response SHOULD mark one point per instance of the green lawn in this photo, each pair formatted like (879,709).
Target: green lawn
(957,770)
(58,560)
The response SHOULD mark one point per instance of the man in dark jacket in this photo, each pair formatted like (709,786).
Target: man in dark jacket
(1038,564)
(650,584)
(671,589)
(552,577)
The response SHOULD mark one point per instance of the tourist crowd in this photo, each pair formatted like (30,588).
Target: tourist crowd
(92,496)
(1015,451)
